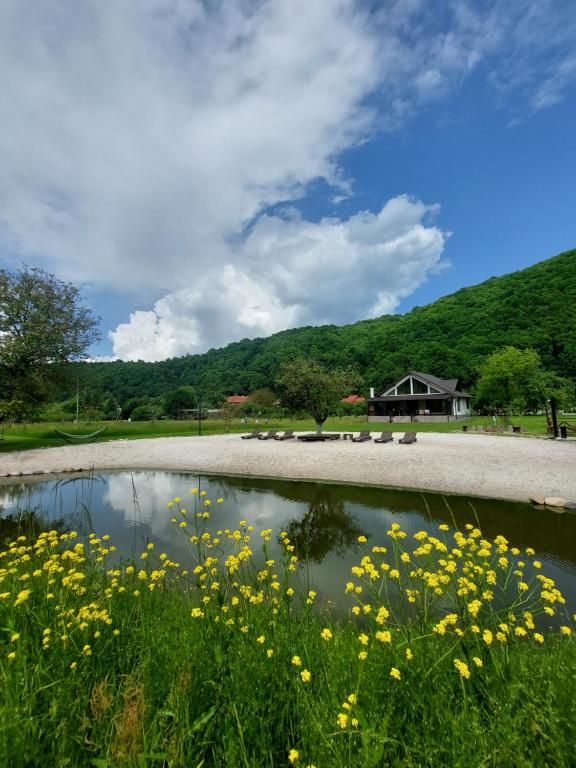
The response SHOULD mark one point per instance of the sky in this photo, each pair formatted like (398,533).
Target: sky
(218,170)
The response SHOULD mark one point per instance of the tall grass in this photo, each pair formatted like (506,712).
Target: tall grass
(446,658)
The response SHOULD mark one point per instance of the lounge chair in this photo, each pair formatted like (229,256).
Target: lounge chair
(270,436)
(255,433)
(288,435)
(362,437)
(386,437)
(409,437)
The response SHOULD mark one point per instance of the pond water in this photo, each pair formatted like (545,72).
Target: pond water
(324,520)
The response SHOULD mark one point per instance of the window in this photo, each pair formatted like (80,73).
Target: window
(404,388)
(434,391)
(419,388)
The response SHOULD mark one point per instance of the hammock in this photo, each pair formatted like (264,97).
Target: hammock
(72,438)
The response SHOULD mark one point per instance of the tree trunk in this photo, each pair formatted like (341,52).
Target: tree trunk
(319,423)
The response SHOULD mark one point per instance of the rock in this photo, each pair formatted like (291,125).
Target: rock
(554,501)
(537,499)
(570,505)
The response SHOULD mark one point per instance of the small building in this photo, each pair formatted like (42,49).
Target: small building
(420,397)
(237,399)
(353,399)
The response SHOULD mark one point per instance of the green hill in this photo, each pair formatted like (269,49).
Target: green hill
(535,307)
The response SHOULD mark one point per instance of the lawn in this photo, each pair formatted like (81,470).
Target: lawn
(21,437)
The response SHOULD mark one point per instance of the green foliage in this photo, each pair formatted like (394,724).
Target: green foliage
(308,386)
(222,660)
(534,308)
(513,380)
(177,400)
(42,327)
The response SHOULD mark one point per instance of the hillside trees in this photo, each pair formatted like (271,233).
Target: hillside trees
(43,326)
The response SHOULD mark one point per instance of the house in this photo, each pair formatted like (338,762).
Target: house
(353,400)
(420,397)
(237,399)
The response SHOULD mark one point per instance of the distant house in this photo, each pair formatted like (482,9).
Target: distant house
(237,399)
(353,399)
(420,397)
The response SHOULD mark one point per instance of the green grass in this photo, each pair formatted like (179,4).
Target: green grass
(22,437)
(100,668)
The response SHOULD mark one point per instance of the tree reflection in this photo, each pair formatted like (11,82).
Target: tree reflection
(325,528)
(30,523)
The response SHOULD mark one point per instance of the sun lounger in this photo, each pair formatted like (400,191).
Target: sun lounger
(362,437)
(255,433)
(288,435)
(386,437)
(270,436)
(409,437)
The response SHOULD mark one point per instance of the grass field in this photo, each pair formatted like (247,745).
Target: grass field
(446,657)
(21,437)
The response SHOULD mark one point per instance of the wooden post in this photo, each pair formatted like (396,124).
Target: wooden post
(554,418)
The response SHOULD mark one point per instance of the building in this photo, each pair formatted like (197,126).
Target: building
(237,399)
(353,399)
(420,397)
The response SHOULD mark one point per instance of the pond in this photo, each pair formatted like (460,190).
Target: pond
(323,520)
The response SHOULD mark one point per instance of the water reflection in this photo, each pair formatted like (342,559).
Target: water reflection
(326,527)
(324,521)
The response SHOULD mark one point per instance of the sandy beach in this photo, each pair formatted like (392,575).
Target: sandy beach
(479,465)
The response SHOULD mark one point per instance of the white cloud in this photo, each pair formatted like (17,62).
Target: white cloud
(142,142)
(293,272)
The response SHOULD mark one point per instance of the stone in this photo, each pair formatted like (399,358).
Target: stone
(537,499)
(570,505)
(554,501)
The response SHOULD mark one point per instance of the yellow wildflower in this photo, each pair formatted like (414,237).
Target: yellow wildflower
(326,634)
(395,673)
(462,668)
(306,676)
(296,661)
(293,755)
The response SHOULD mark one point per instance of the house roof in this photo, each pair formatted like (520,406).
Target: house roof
(236,399)
(353,399)
(446,386)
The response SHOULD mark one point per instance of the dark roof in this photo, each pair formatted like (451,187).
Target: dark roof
(444,385)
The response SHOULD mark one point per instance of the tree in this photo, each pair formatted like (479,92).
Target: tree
(178,400)
(42,327)
(513,379)
(306,385)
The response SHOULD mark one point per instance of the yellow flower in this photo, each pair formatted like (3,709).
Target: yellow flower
(444,527)
(326,634)
(22,596)
(197,613)
(261,639)
(14,637)
(363,639)
(306,676)
(269,653)
(565,631)
(395,673)
(477,661)
(73,665)
(296,661)
(384,637)
(293,755)
(362,656)
(362,539)
(409,654)
(520,632)
(487,637)
(342,720)
(12,655)
(86,651)
(538,637)
(462,668)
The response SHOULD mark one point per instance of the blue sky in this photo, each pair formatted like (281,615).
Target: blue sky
(209,172)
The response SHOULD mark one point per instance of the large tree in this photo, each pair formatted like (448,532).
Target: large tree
(43,326)
(306,385)
(513,380)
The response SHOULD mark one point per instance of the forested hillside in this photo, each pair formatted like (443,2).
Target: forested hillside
(535,307)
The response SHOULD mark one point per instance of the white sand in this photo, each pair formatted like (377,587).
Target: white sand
(480,465)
